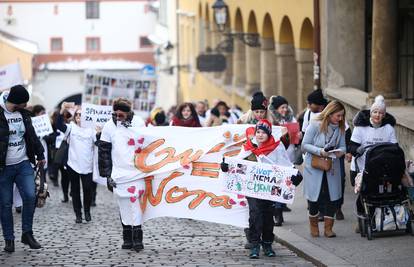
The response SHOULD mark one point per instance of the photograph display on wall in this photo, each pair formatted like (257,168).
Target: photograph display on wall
(102,88)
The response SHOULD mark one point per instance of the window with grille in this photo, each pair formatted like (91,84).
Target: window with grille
(93,44)
(92,9)
(56,44)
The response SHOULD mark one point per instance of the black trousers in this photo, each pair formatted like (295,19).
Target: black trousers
(324,200)
(75,179)
(260,220)
(65,179)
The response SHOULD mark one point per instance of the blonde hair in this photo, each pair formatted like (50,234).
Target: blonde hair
(332,108)
(248,117)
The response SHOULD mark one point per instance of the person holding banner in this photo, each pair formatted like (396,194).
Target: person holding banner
(19,148)
(261,147)
(122,119)
(80,161)
(324,145)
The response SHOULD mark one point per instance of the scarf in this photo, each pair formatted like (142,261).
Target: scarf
(265,148)
(332,136)
(190,122)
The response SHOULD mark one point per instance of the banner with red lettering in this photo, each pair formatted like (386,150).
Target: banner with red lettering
(174,171)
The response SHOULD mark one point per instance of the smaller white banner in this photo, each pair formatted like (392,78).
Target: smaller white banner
(259,180)
(95,115)
(10,75)
(42,125)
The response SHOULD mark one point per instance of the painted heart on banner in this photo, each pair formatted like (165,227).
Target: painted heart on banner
(232,202)
(131,142)
(138,150)
(140,193)
(133,199)
(131,189)
(141,140)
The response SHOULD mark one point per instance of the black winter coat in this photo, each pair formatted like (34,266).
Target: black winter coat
(33,145)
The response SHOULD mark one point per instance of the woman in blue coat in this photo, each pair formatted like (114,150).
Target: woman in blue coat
(325,133)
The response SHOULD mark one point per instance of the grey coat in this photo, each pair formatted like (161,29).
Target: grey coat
(312,143)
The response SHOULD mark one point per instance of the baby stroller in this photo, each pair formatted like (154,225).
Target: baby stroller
(382,191)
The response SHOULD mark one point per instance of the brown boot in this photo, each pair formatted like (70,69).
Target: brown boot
(329,222)
(313,223)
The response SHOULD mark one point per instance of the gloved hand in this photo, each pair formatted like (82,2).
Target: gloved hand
(224,166)
(110,184)
(360,150)
(296,179)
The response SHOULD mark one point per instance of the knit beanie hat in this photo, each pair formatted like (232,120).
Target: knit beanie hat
(316,97)
(259,101)
(264,125)
(18,95)
(379,104)
(277,101)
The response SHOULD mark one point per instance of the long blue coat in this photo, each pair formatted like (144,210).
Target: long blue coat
(312,143)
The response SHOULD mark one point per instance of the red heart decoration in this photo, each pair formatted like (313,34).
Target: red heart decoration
(186,167)
(131,189)
(242,203)
(288,182)
(131,142)
(132,199)
(232,202)
(240,196)
(141,140)
(138,150)
(140,193)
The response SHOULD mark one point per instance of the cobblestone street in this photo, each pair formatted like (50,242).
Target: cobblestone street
(168,241)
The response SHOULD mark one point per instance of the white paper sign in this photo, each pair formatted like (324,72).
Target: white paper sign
(95,115)
(259,180)
(42,125)
(10,75)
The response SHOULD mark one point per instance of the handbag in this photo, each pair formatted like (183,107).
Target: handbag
(41,186)
(61,155)
(321,163)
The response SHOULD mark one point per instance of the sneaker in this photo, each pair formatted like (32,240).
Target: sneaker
(268,250)
(254,252)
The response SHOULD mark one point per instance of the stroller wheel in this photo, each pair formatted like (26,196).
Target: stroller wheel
(361,226)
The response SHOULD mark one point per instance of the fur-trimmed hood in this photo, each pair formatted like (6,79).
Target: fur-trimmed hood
(362,119)
(278,117)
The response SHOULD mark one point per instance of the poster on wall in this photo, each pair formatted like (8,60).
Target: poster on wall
(101,88)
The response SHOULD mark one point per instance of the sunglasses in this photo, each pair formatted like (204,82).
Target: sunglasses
(77,114)
(119,115)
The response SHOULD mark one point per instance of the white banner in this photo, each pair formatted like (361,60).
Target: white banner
(259,180)
(42,125)
(95,115)
(174,171)
(10,75)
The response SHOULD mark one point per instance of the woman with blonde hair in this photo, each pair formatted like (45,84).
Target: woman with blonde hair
(324,144)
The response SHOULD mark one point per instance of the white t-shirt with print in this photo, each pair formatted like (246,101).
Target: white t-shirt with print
(370,136)
(16,151)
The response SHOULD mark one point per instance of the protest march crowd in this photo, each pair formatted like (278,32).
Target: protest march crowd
(319,138)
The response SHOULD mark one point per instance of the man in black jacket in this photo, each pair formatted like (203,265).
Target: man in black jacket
(19,147)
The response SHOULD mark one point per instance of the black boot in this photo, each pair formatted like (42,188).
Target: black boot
(127,236)
(65,198)
(78,218)
(88,217)
(278,213)
(248,244)
(137,238)
(9,246)
(28,239)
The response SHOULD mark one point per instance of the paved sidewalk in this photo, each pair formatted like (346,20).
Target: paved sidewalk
(168,241)
(348,248)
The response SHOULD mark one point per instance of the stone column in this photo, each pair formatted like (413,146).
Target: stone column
(239,64)
(268,67)
(384,49)
(304,62)
(286,73)
(228,72)
(252,69)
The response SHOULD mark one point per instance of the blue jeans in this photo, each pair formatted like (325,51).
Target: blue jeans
(22,175)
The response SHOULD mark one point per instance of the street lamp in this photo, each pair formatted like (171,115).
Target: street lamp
(220,14)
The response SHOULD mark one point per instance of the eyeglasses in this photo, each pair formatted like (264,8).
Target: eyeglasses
(77,114)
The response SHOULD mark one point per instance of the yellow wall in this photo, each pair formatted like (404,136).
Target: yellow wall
(10,55)
(197,86)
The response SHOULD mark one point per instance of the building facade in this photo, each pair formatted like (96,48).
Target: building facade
(281,63)
(78,31)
